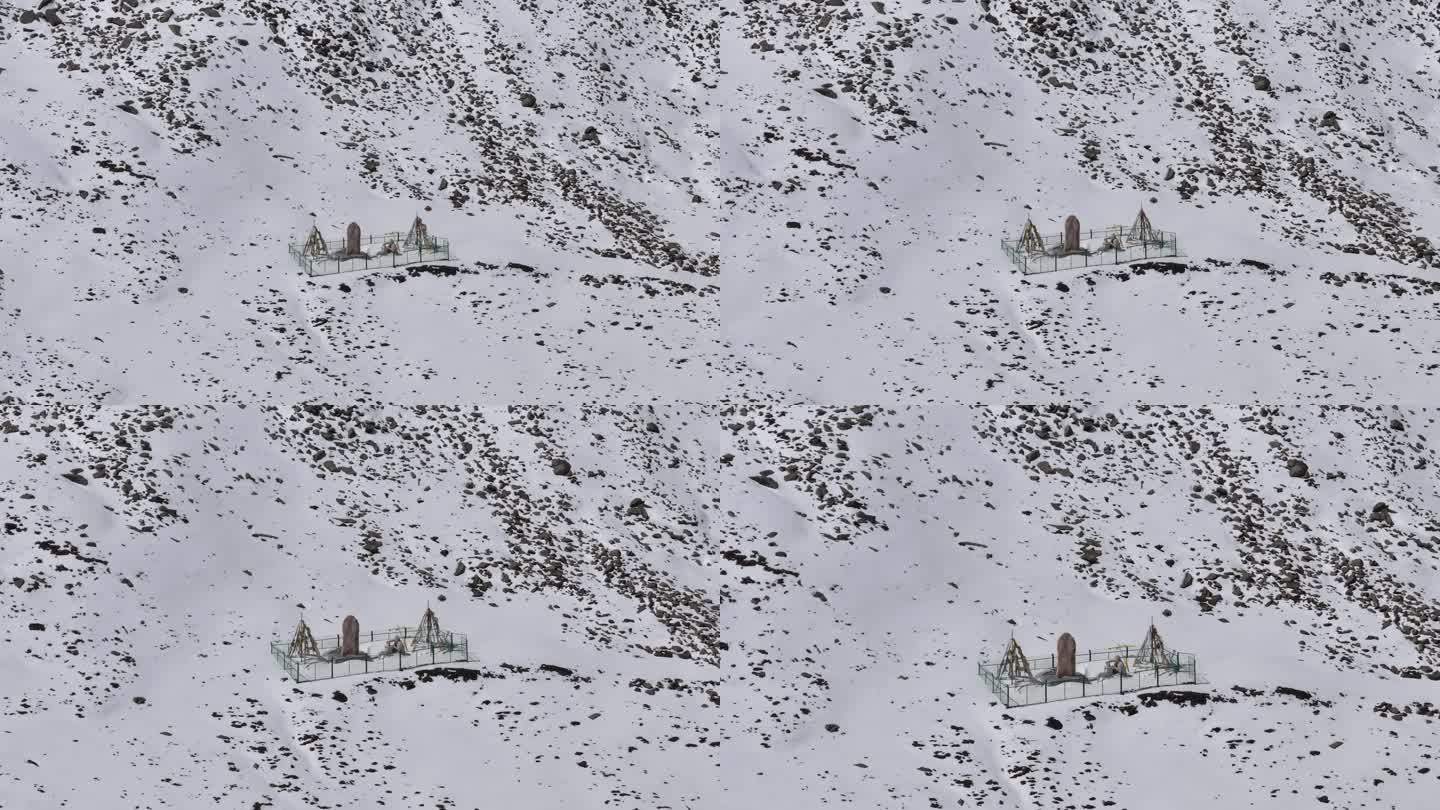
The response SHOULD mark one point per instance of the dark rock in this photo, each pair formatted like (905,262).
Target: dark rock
(1187,581)
(832,727)
(561,671)
(560,466)
(826,92)
(765,480)
(75,477)
(1053,723)
(340,696)
(457,674)
(1062,286)
(1177,697)
(1297,468)
(1262,83)
(1286,690)
(36,626)
(527,100)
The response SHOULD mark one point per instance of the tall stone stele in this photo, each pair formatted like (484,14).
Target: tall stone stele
(349,636)
(1072,234)
(352,239)
(1065,656)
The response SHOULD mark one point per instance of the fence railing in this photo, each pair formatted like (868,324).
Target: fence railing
(380,652)
(1178,668)
(433,249)
(1160,245)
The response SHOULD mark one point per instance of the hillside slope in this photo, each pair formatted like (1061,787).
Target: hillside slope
(158,160)
(153,554)
(881,151)
(706,436)
(902,547)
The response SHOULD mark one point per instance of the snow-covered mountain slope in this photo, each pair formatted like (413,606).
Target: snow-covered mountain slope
(882,151)
(157,160)
(707,488)
(151,555)
(851,167)
(880,554)
(755,604)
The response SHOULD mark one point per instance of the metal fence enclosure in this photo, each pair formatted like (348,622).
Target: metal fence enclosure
(383,651)
(434,249)
(1164,244)
(1178,669)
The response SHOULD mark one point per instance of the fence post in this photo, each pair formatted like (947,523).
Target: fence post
(332,667)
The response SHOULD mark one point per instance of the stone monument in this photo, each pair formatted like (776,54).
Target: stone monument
(352,239)
(1065,649)
(1072,234)
(350,628)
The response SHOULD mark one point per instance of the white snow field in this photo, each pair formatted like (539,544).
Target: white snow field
(867,222)
(707,434)
(584,267)
(148,595)
(902,547)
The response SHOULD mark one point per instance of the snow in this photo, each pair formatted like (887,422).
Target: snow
(772,333)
